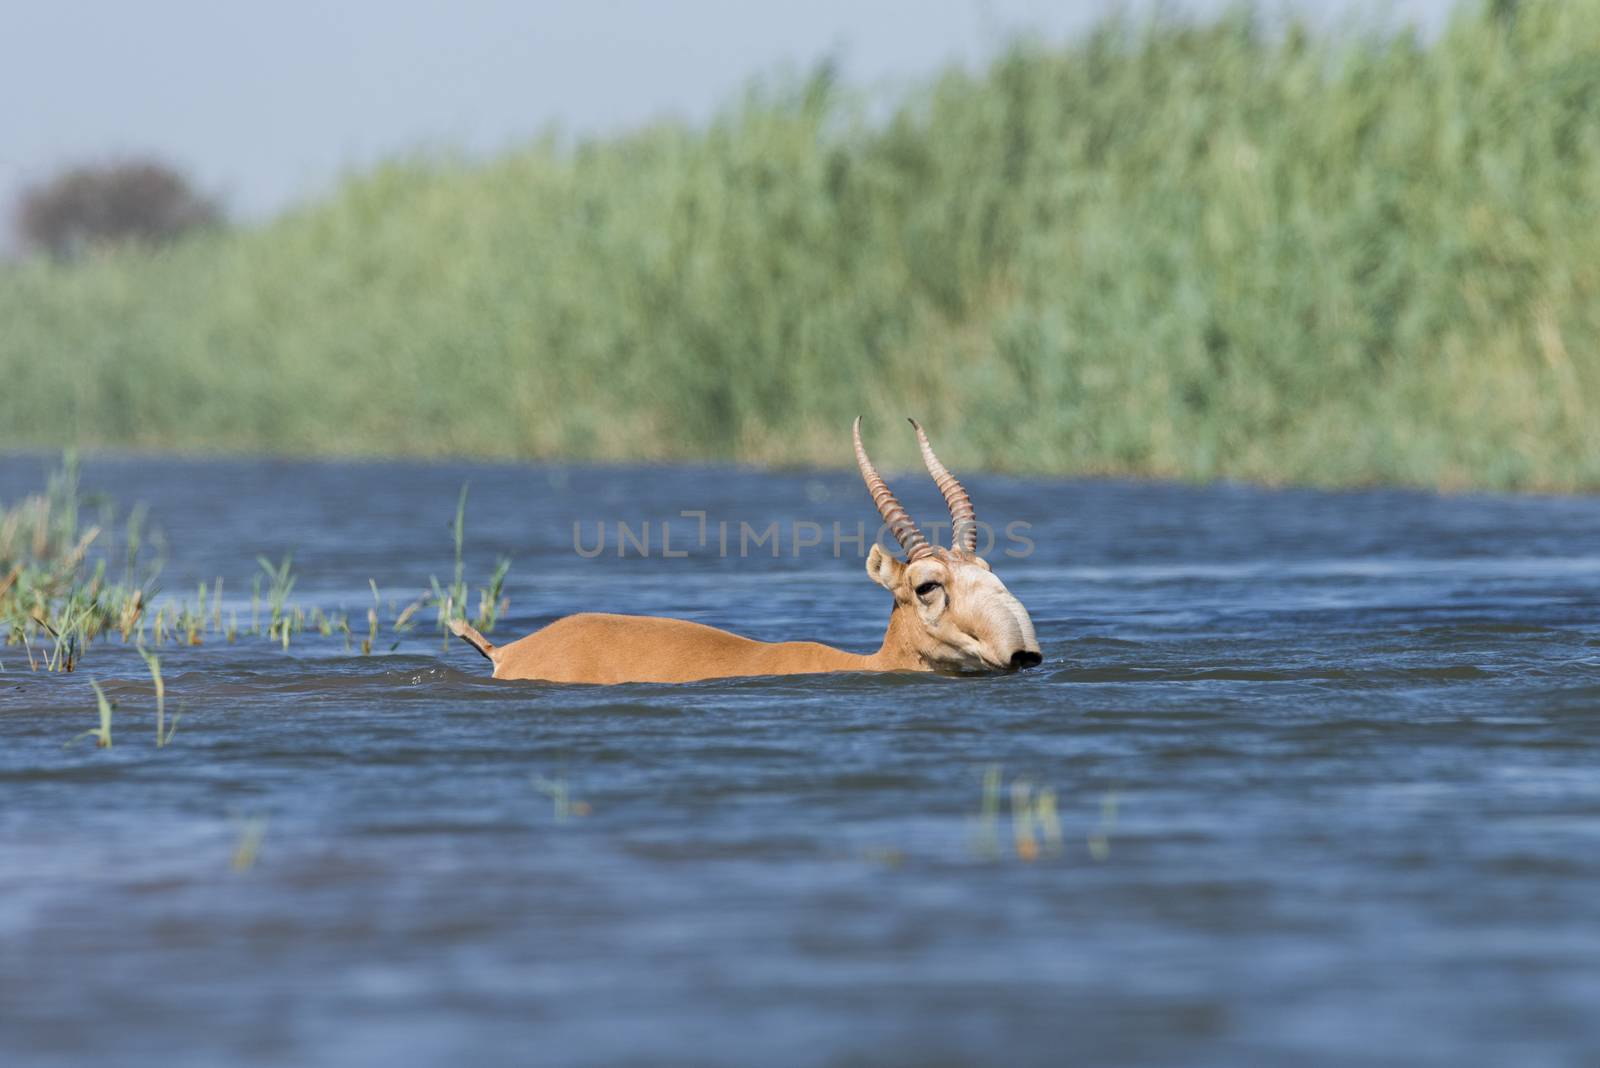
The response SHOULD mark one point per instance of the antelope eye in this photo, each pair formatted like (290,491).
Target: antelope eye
(926,588)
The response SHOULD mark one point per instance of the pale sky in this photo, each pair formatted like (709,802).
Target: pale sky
(266,104)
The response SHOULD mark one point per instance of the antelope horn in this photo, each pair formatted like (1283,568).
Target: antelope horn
(894,514)
(963,519)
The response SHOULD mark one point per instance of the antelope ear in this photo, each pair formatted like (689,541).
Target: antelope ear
(885,570)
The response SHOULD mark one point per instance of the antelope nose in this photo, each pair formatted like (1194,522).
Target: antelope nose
(1025,658)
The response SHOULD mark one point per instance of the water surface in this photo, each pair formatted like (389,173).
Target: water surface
(1327,769)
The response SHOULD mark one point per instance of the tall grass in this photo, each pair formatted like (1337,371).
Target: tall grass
(56,598)
(1201,250)
(53,590)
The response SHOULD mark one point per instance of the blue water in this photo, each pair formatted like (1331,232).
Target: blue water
(1326,770)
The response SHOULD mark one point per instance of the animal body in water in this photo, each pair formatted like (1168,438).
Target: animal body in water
(951,614)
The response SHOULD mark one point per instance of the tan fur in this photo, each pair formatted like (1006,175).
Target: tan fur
(971,624)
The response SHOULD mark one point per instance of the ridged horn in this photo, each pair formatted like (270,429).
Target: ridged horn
(963,519)
(894,514)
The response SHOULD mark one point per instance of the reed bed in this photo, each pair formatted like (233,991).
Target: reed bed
(63,586)
(1229,248)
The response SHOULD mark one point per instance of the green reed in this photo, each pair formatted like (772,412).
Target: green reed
(55,599)
(452,601)
(102,733)
(252,831)
(163,736)
(1035,821)
(280,583)
(52,585)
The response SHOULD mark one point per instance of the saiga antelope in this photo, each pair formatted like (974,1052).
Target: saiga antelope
(951,614)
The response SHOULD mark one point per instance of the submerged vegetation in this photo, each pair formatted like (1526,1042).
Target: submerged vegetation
(1229,248)
(57,595)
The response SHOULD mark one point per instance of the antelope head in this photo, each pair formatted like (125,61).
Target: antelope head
(952,613)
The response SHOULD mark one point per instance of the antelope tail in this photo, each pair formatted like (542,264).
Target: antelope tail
(469,634)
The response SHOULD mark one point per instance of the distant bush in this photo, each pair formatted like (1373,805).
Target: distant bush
(112,203)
